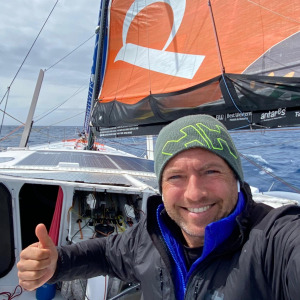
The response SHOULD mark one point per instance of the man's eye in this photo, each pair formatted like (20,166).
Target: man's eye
(173,177)
(211,171)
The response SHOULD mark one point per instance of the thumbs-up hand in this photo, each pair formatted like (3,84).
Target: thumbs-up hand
(38,261)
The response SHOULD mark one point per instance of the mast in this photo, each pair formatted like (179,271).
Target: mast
(29,122)
(97,80)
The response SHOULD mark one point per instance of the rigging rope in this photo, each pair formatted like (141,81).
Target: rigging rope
(29,52)
(4,110)
(216,38)
(56,107)
(69,53)
(40,132)
(270,173)
(74,94)
(125,145)
(221,63)
(53,109)
(269,145)
(67,118)
(11,116)
(10,133)
(274,12)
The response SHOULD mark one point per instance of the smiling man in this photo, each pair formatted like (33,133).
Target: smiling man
(199,188)
(203,238)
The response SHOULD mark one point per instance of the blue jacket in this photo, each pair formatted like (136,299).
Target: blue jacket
(215,233)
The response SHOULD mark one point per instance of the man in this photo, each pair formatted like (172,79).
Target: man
(205,238)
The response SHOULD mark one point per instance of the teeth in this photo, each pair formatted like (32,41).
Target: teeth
(198,210)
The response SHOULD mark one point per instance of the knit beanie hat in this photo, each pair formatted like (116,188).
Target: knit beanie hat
(195,131)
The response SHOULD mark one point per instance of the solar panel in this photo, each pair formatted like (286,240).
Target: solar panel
(53,158)
(87,160)
(133,163)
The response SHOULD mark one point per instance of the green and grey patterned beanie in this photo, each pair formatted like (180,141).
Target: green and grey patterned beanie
(195,131)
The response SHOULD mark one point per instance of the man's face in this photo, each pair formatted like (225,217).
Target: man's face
(198,188)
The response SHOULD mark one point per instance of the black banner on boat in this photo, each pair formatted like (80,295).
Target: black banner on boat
(236,120)
(125,131)
(281,117)
(239,101)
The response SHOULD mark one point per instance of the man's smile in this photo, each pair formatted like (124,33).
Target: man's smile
(199,209)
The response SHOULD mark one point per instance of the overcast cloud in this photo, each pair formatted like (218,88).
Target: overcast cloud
(71,23)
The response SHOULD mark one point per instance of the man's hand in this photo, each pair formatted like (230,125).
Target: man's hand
(38,261)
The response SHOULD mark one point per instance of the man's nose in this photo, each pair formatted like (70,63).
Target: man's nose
(195,188)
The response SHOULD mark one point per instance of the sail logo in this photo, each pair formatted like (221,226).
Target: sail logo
(220,117)
(170,63)
(273,114)
(199,135)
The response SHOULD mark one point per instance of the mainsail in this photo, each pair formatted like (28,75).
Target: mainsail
(237,60)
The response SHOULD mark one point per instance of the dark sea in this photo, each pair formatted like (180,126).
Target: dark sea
(271,158)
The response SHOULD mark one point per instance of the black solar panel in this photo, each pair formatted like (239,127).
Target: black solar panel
(133,163)
(87,160)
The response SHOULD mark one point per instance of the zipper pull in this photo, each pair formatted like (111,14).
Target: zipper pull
(161,280)
(196,291)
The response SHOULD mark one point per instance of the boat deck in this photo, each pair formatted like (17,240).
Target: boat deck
(79,166)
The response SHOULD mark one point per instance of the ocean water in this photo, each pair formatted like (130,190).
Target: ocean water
(270,158)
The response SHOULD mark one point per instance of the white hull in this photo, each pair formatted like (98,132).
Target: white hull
(124,180)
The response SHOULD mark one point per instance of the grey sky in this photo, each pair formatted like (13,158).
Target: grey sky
(71,23)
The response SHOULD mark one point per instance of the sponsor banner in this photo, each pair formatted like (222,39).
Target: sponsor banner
(277,118)
(233,121)
(236,120)
(271,118)
(124,131)
(280,117)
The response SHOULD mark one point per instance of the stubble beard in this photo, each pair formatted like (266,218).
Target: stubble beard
(182,224)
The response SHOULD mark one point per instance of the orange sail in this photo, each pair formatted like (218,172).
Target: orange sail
(230,59)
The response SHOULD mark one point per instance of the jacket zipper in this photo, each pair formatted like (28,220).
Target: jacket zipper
(180,271)
(161,280)
(173,256)
(196,291)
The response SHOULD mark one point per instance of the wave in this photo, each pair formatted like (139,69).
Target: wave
(266,170)
(257,158)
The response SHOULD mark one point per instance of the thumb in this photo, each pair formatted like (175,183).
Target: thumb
(45,240)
